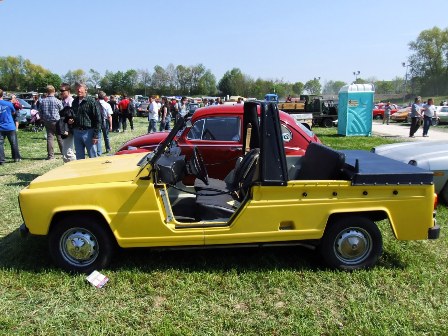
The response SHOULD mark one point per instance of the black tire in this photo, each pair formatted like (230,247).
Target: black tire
(327,123)
(434,122)
(378,117)
(95,244)
(352,242)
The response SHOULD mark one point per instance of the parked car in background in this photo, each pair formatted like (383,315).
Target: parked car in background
(142,109)
(192,107)
(378,111)
(442,114)
(401,115)
(217,131)
(430,155)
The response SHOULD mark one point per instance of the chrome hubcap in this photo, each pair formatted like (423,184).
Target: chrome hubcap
(79,246)
(353,246)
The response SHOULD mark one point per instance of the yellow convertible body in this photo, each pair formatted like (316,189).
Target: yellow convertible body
(138,200)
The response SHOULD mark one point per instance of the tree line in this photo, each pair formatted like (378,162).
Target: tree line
(426,74)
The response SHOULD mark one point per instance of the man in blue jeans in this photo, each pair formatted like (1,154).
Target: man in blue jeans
(86,123)
(429,112)
(153,114)
(8,130)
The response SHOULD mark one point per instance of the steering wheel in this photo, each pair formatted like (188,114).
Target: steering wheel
(199,166)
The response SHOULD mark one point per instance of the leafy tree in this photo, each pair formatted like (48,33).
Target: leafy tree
(75,76)
(19,74)
(184,78)
(11,72)
(429,61)
(197,72)
(159,80)
(359,80)
(144,81)
(207,84)
(93,79)
(384,87)
(129,81)
(332,87)
(232,83)
(172,83)
(298,88)
(313,86)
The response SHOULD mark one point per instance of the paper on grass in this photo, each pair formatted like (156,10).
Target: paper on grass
(97,279)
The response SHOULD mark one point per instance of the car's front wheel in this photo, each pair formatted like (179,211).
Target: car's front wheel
(80,244)
(351,242)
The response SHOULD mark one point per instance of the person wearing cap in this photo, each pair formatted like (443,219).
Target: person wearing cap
(416,116)
(86,123)
(106,125)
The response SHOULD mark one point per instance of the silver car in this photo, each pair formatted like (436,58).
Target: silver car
(442,113)
(430,155)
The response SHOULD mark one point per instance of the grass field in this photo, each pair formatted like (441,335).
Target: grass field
(261,291)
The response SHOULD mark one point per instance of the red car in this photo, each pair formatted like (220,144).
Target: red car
(217,132)
(378,111)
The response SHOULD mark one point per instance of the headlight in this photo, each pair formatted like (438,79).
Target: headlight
(132,148)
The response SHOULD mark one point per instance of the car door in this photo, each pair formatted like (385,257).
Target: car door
(218,139)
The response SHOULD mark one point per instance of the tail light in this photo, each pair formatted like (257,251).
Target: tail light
(435,200)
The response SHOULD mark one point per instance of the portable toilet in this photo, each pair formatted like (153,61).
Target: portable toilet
(355,109)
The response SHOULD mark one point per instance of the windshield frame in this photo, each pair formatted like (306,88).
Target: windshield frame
(161,148)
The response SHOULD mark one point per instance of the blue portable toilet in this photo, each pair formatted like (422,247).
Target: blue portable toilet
(355,109)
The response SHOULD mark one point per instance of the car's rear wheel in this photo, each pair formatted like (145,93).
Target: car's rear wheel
(350,243)
(378,117)
(435,122)
(80,243)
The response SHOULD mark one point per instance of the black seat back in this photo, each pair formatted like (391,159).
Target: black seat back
(321,163)
(245,171)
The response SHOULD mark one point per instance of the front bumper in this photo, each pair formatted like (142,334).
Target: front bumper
(23,230)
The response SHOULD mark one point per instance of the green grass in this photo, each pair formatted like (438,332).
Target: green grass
(264,291)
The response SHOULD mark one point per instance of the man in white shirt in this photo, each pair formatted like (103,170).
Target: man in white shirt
(153,114)
(429,112)
(106,126)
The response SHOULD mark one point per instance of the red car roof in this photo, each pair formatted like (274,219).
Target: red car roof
(237,109)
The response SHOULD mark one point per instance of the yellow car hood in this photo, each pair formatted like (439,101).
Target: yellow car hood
(117,168)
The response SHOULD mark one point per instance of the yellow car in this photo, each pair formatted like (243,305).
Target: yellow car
(326,199)
(401,115)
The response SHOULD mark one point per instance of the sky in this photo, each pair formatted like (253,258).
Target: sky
(285,40)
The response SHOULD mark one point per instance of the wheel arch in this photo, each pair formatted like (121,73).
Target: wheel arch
(94,214)
(373,215)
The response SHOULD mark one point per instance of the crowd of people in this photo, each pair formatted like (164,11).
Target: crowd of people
(80,124)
